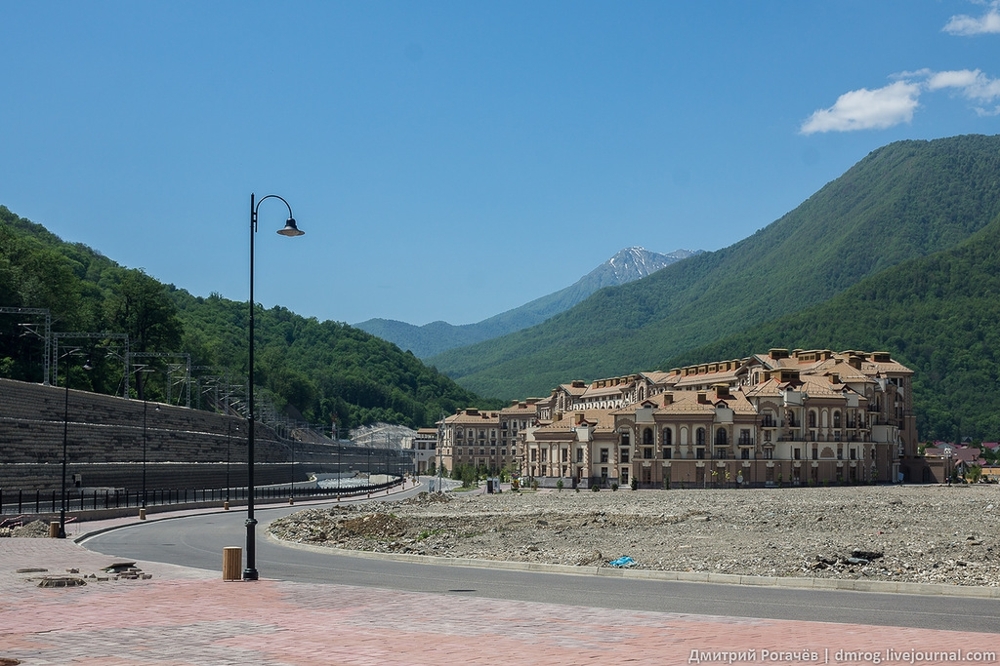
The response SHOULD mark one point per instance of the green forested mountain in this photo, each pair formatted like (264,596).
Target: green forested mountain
(906,200)
(323,370)
(937,314)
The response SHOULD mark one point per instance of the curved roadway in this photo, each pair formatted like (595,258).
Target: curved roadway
(197,541)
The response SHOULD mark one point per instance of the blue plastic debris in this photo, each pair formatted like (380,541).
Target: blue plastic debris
(623,562)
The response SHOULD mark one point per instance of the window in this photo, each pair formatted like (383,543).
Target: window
(625,475)
(815,453)
(699,438)
(720,453)
(667,453)
(668,437)
(533,452)
(626,440)
(797,453)
(565,455)
(745,454)
(812,419)
(647,436)
(699,453)
(647,452)
(579,455)
(721,438)
(836,419)
(604,455)
(624,455)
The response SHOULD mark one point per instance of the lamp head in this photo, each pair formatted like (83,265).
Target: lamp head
(290,229)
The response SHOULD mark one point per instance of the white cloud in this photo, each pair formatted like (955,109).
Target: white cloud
(962,78)
(971,84)
(895,103)
(965,26)
(867,109)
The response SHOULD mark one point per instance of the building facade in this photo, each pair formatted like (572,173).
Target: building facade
(800,417)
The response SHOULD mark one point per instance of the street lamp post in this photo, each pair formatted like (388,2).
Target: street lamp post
(62,509)
(947,456)
(290,229)
(145,405)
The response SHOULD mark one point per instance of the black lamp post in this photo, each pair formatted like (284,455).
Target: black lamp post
(290,229)
(145,405)
(229,454)
(62,510)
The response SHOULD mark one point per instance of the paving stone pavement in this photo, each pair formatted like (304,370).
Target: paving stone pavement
(185,616)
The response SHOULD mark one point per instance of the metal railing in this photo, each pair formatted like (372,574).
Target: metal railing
(50,501)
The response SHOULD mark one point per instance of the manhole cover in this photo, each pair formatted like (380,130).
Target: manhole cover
(61,581)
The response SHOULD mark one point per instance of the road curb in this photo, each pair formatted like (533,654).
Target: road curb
(852,585)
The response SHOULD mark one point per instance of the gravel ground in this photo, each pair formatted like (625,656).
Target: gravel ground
(924,534)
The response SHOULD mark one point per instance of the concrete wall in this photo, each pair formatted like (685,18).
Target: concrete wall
(185,448)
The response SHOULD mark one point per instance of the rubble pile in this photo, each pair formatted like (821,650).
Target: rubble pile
(928,534)
(34,529)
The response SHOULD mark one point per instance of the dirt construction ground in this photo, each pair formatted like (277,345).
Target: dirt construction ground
(924,534)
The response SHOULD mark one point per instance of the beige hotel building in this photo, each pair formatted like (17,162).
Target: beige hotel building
(784,418)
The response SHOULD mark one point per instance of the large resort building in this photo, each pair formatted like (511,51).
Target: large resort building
(801,417)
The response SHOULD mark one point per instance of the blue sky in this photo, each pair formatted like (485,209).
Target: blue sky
(452,160)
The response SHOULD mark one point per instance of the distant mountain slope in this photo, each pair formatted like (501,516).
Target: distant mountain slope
(905,200)
(324,370)
(937,314)
(628,265)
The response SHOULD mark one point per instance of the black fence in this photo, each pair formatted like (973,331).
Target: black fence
(48,502)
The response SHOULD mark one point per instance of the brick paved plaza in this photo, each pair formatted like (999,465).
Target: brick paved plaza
(190,616)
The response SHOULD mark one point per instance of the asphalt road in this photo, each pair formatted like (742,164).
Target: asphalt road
(197,541)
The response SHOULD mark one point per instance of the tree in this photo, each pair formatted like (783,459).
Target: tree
(142,309)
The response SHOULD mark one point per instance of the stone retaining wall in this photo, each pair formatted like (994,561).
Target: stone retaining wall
(184,448)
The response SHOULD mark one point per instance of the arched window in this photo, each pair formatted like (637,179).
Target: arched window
(626,440)
(699,437)
(812,419)
(721,439)
(668,438)
(647,436)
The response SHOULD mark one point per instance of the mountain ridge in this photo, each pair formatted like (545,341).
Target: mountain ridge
(628,264)
(901,201)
